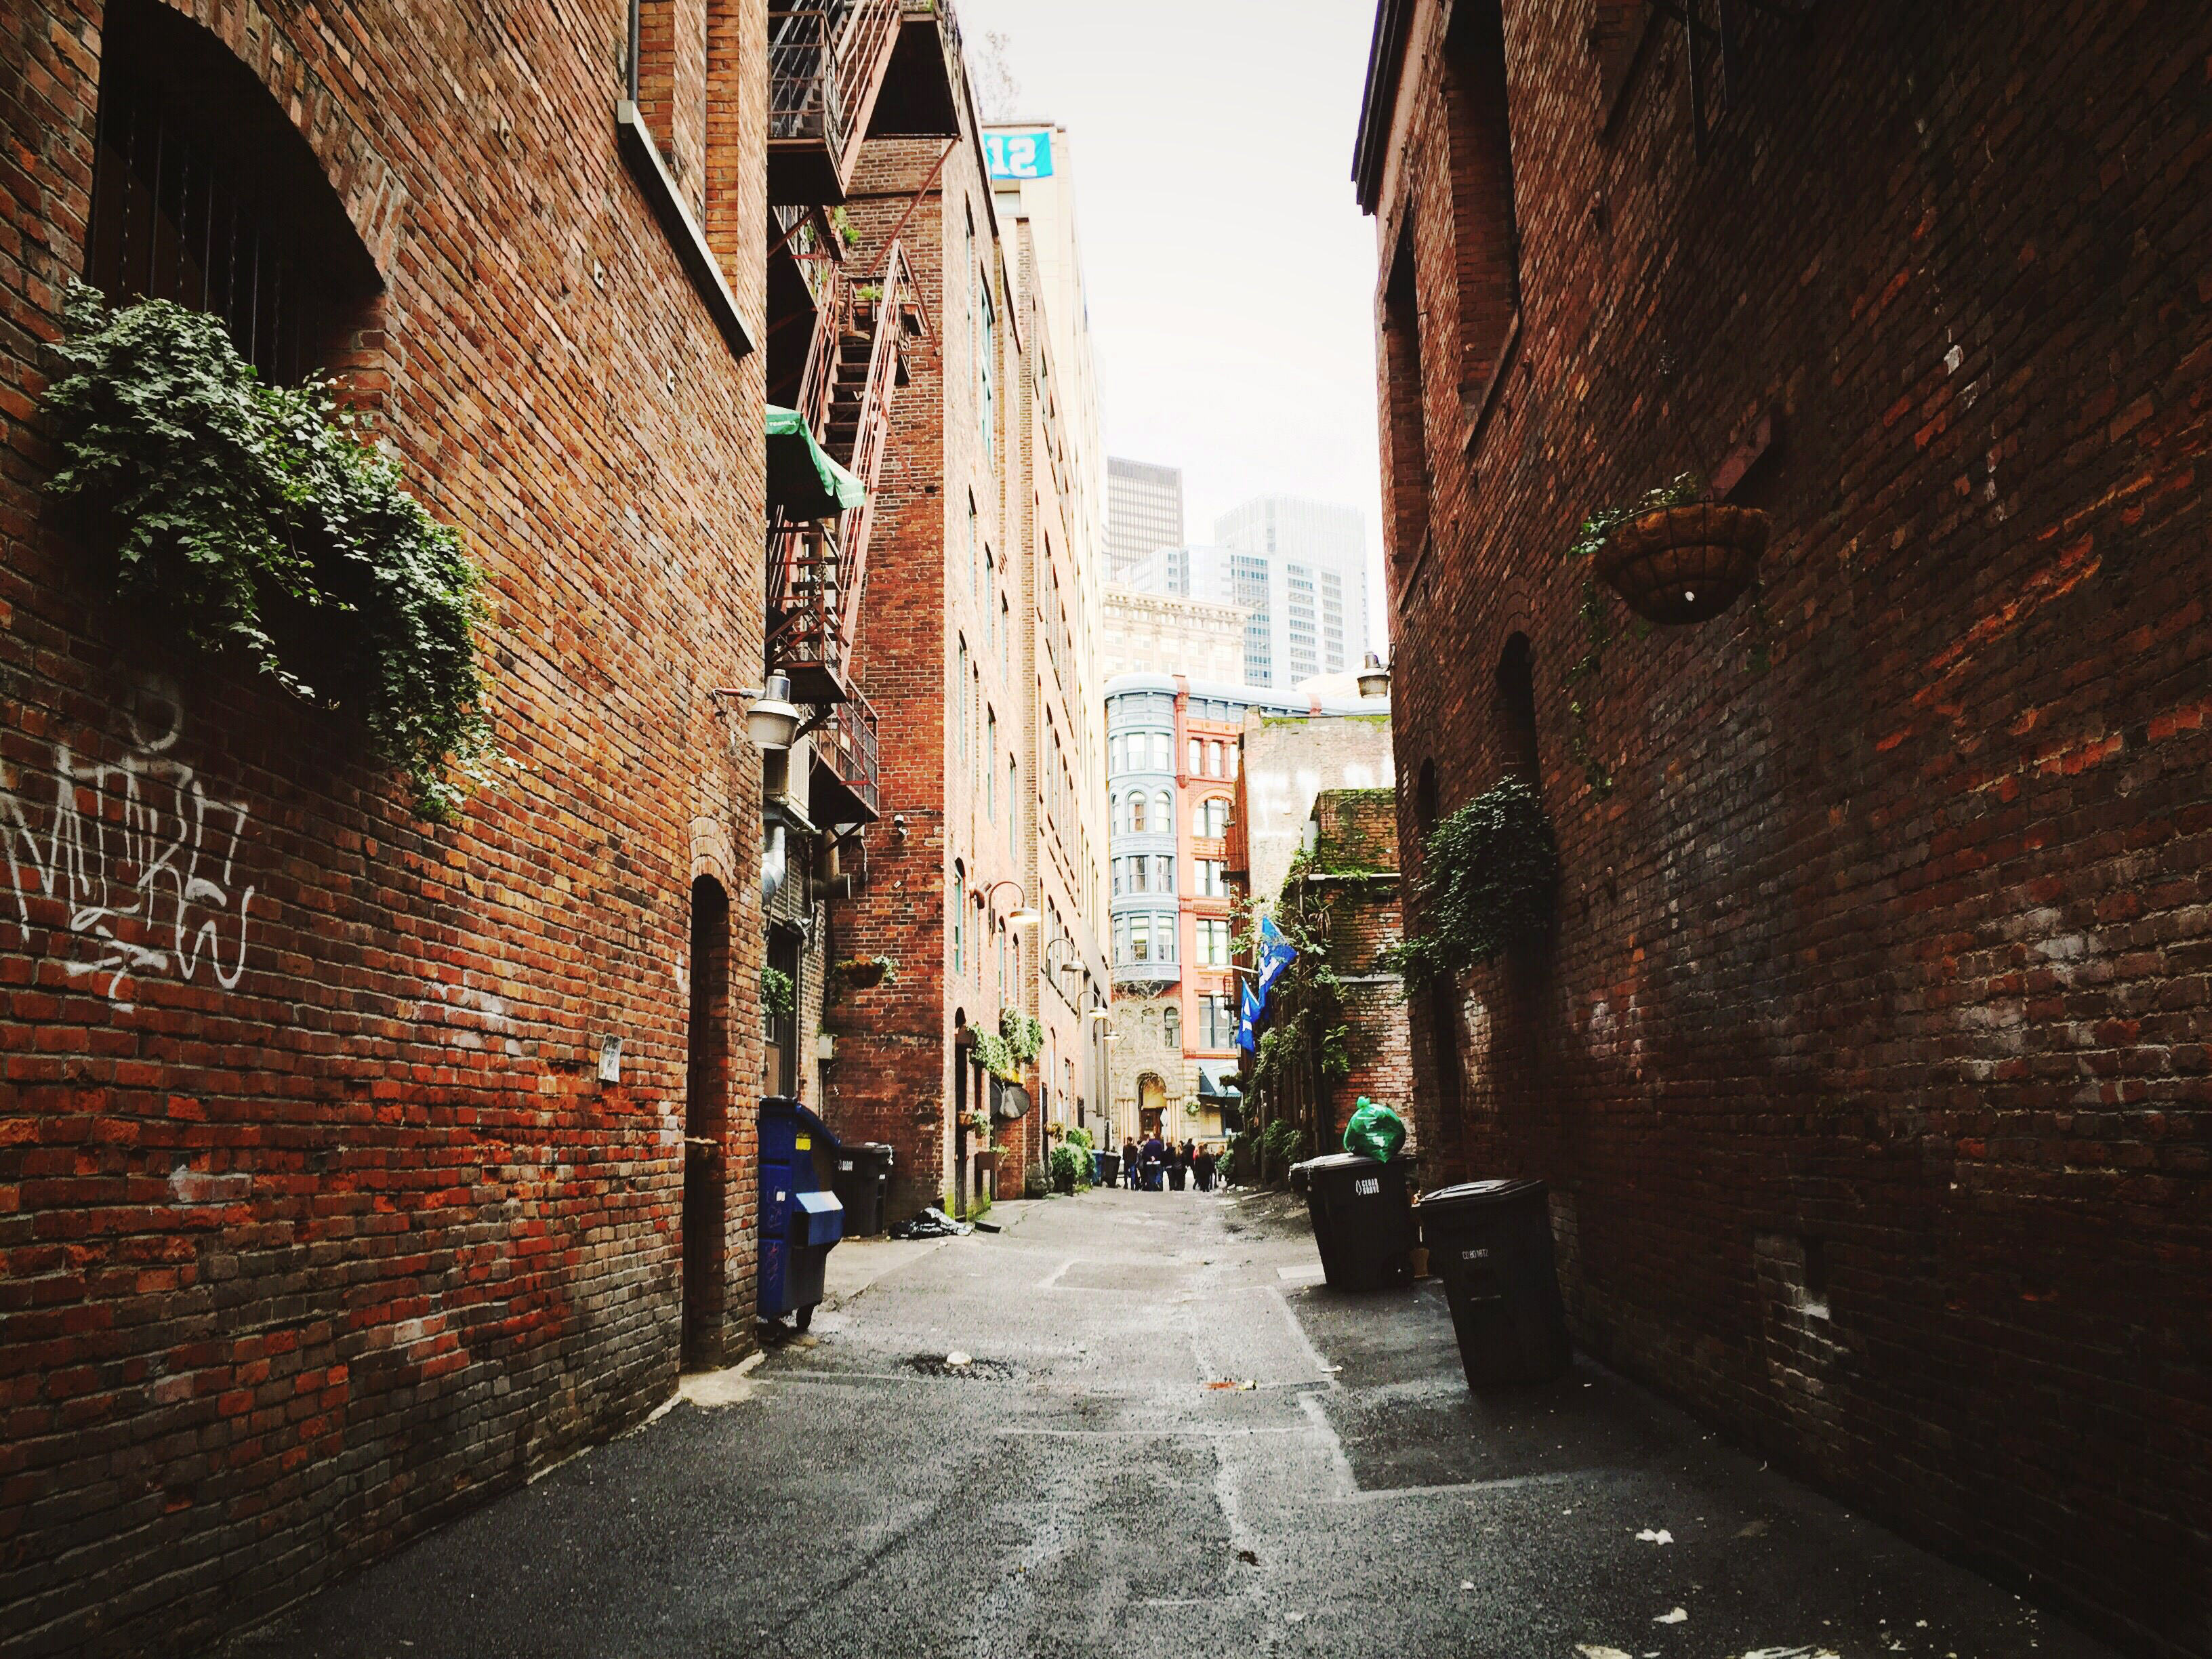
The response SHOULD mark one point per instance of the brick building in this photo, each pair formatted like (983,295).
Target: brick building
(342,1154)
(1341,892)
(1867,1058)
(1178,755)
(985,869)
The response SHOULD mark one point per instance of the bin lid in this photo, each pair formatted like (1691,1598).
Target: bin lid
(1480,1195)
(1341,1161)
(818,1203)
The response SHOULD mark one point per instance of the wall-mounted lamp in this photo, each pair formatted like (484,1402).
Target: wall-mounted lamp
(772,722)
(1026,916)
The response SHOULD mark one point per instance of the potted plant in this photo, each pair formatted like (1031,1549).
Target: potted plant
(1674,557)
(864,972)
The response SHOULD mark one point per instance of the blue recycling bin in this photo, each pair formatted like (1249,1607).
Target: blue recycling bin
(800,1220)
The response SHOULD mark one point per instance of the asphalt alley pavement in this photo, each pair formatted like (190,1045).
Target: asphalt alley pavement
(1081,1487)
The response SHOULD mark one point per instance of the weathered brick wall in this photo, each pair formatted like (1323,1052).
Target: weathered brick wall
(1870,1061)
(926,598)
(318,1226)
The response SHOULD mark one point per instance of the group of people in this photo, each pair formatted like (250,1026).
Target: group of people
(1160,1163)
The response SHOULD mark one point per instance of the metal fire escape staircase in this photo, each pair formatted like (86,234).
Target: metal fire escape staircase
(818,568)
(827,60)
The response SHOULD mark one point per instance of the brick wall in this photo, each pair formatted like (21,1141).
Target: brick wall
(315,1223)
(1869,1062)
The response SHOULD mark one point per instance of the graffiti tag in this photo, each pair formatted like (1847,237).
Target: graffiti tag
(135,856)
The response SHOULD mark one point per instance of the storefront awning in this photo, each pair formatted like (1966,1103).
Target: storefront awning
(803,481)
(1214,1084)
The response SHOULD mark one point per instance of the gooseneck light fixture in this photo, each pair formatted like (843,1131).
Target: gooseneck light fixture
(1026,917)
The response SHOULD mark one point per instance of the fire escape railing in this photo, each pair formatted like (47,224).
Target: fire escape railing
(822,59)
(817,567)
(847,743)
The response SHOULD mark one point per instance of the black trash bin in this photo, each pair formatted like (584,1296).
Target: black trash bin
(1491,1243)
(1363,1219)
(862,1182)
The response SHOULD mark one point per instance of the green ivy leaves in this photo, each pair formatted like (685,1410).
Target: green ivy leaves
(1488,875)
(255,517)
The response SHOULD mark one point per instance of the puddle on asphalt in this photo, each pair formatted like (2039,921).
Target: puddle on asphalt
(936,1365)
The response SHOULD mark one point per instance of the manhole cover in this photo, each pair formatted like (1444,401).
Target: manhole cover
(935,1364)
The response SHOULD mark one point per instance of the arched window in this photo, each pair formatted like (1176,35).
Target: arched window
(1171,1026)
(1162,813)
(956,914)
(1136,811)
(204,192)
(1516,711)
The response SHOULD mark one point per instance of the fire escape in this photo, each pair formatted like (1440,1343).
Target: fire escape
(840,72)
(818,568)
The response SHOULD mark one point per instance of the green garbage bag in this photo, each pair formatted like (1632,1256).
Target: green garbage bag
(1375,1132)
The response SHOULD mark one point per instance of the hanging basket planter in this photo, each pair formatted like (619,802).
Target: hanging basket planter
(863,973)
(1684,564)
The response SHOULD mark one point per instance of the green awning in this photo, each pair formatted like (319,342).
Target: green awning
(803,481)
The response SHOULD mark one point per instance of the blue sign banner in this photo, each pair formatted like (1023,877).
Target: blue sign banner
(1249,1012)
(1276,954)
(1017,154)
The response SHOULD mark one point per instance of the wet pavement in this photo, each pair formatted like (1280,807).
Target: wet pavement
(1078,1488)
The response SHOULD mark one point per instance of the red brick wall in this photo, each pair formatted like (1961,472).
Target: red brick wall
(894,1080)
(1880,985)
(323,1227)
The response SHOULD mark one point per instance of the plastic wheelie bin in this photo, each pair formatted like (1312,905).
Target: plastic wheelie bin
(1491,1243)
(799,1221)
(862,1182)
(1110,1168)
(1363,1219)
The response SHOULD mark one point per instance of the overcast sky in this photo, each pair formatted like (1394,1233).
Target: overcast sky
(1230,275)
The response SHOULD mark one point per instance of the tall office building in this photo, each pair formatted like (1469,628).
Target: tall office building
(1319,553)
(1302,615)
(1144,512)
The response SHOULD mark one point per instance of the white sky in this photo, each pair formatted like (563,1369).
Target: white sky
(1230,275)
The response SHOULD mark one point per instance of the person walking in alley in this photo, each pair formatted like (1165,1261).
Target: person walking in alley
(1178,1166)
(1203,1167)
(1131,1175)
(1156,1158)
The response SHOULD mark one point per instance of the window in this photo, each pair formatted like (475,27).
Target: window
(990,601)
(1162,752)
(975,541)
(1136,811)
(991,768)
(1118,867)
(958,917)
(1197,756)
(987,405)
(1405,430)
(1214,760)
(960,703)
(1229,763)
(1013,808)
(1006,639)
(1212,881)
(1213,942)
(1486,243)
(1171,1026)
(1140,939)
(204,192)
(1210,818)
(1516,710)
(1217,1023)
(1113,756)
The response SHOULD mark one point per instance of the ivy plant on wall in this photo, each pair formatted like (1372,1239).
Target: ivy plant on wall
(1023,1034)
(257,519)
(1489,872)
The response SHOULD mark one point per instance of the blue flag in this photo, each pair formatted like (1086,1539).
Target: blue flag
(1276,954)
(1246,1039)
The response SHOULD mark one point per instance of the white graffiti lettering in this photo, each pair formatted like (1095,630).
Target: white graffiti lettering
(136,861)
